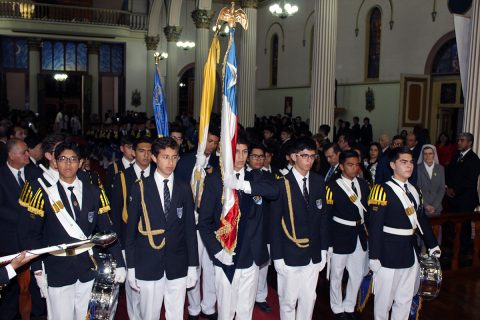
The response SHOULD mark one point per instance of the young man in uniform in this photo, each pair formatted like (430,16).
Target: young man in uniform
(124,180)
(299,233)
(347,199)
(236,275)
(66,212)
(395,214)
(161,241)
(127,160)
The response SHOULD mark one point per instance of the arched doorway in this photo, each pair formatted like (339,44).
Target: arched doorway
(447,99)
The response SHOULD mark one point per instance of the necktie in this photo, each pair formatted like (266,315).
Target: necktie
(410,196)
(75,204)
(354,189)
(239,192)
(141,175)
(329,173)
(20,179)
(131,164)
(460,157)
(305,190)
(166,198)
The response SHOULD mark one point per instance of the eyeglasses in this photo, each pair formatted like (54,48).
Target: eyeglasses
(168,158)
(257,156)
(68,159)
(305,156)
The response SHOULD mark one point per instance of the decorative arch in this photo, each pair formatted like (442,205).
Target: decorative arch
(435,49)
(174,11)
(391,22)
(268,32)
(154,17)
(304,40)
(374,39)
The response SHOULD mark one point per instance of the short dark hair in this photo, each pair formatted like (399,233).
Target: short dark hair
(176,129)
(162,144)
(344,155)
(304,143)
(32,141)
(399,137)
(141,140)
(126,140)
(67,145)
(335,147)
(242,140)
(395,154)
(257,146)
(48,144)
(325,128)
(348,139)
(214,130)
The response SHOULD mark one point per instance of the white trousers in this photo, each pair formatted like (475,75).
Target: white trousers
(262,290)
(298,284)
(203,303)
(397,287)
(70,302)
(356,263)
(236,299)
(133,298)
(152,294)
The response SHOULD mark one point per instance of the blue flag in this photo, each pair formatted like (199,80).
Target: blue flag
(159,106)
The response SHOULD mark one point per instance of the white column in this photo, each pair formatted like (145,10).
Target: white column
(471,117)
(202,19)
(322,96)
(93,68)
(171,89)
(248,66)
(33,71)
(151,43)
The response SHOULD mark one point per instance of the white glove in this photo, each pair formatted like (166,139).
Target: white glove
(224,257)
(323,263)
(192,277)
(279,265)
(120,275)
(41,278)
(132,281)
(233,183)
(374,264)
(436,252)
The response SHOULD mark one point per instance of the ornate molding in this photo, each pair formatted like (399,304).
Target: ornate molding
(202,18)
(172,33)
(93,47)
(34,44)
(152,42)
(253,4)
(267,38)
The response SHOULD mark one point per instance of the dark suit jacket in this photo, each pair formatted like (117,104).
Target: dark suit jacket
(186,163)
(116,200)
(180,250)
(251,246)
(394,251)
(343,238)
(310,222)
(13,234)
(110,179)
(3,276)
(335,175)
(62,271)
(462,176)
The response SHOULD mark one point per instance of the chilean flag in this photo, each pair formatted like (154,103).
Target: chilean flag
(228,231)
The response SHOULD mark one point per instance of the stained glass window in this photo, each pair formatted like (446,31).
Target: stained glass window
(82,57)
(446,60)
(14,54)
(47,56)
(64,56)
(274,61)
(374,37)
(111,58)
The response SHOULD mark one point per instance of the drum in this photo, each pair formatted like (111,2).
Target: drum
(104,298)
(430,277)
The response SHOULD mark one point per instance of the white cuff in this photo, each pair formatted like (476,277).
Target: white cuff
(247,188)
(11,272)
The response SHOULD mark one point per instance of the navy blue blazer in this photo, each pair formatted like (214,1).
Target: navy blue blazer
(180,250)
(186,163)
(343,238)
(394,251)
(13,233)
(46,229)
(251,244)
(311,221)
(3,276)
(110,179)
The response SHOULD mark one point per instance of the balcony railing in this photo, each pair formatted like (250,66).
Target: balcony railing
(31,10)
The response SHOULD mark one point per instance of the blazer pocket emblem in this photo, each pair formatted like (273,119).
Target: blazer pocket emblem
(90,216)
(180,212)
(257,200)
(319,204)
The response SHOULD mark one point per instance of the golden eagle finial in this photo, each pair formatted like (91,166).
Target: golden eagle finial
(232,16)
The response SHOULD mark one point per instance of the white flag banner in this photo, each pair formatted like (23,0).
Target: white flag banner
(463,30)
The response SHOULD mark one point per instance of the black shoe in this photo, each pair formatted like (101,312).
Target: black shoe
(263,306)
(213,316)
(340,316)
(190,317)
(351,316)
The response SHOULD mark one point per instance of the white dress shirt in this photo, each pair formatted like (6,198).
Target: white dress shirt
(77,190)
(299,179)
(138,171)
(160,186)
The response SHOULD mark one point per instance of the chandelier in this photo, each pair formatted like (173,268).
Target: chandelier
(283,9)
(186,45)
(60,77)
